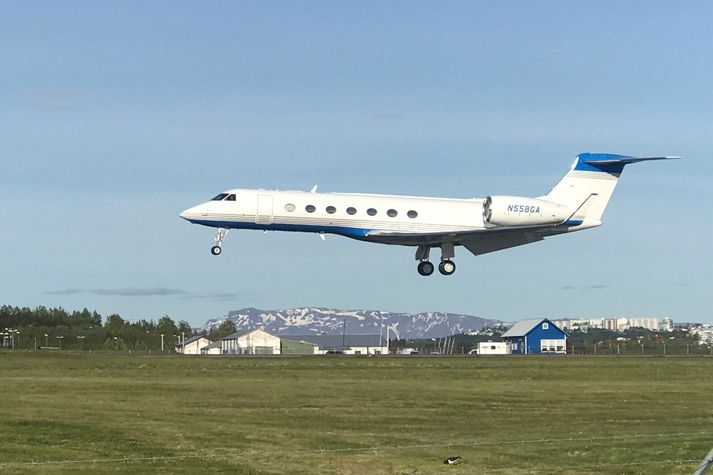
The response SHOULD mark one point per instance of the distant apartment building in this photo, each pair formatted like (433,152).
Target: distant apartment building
(704,332)
(616,324)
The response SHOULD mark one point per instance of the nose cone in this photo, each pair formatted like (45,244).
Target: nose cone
(192,213)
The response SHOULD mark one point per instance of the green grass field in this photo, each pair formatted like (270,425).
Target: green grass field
(104,413)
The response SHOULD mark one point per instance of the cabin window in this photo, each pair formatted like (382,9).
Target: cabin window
(220,197)
(289,207)
(230,198)
(412,214)
(545,326)
(371,212)
(310,208)
(392,213)
(331,209)
(351,210)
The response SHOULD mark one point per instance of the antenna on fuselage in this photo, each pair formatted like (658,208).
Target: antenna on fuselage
(314,189)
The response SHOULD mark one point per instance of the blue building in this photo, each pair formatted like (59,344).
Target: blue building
(535,337)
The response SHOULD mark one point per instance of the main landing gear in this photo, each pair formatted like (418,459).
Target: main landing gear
(220,235)
(446,267)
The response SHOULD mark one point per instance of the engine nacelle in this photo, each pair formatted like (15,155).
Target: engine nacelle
(521,211)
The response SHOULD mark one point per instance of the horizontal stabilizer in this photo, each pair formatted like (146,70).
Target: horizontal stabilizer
(602,158)
(609,162)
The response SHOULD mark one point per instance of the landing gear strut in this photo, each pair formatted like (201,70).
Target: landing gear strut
(219,236)
(446,267)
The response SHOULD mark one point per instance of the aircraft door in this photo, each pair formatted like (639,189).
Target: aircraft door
(264,209)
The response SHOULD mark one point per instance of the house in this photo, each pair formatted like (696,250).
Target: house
(192,345)
(296,347)
(212,349)
(345,344)
(253,342)
(534,337)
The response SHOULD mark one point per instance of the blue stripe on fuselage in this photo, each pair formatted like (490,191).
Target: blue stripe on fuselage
(302,228)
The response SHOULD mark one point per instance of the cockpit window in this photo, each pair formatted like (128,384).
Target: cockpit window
(230,197)
(220,197)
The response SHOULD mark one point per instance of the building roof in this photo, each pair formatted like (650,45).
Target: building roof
(238,334)
(524,327)
(190,340)
(335,342)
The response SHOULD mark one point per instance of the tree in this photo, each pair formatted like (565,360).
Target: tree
(166,326)
(184,327)
(115,325)
(226,328)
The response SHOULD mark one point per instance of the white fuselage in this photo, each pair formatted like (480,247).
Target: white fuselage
(484,225)
(351,215)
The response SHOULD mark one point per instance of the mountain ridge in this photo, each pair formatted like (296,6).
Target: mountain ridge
(331,321)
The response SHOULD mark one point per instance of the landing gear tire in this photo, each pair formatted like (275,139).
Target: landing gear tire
(216,250)
(425,268)
(447,267)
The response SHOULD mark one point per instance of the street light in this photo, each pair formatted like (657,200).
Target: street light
(81,340)
(46,343)
(60,341)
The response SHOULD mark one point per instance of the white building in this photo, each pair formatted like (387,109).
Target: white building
(193,345)
(346,344)
(212,349)
(255,342)
(704,332)
(615,324)
(493,348)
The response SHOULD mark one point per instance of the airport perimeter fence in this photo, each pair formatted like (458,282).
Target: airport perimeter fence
(637,349)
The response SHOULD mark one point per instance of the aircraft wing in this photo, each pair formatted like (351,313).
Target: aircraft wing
(490,242)
(481,241)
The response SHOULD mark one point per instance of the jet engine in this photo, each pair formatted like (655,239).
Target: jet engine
(521,211)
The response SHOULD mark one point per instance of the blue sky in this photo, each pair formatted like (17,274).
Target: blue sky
(116,116)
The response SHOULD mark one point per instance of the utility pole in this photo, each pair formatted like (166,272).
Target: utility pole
(388,327)
(161,342)
(344,333)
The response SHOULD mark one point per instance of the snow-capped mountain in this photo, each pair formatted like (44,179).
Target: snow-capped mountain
(306,320)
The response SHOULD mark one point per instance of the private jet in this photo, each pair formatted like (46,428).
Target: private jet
(481,225)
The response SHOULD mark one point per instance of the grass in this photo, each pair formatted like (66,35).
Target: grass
(508,415)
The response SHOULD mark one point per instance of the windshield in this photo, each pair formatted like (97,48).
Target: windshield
(220,197)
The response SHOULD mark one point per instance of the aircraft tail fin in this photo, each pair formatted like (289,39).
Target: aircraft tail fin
(589,184)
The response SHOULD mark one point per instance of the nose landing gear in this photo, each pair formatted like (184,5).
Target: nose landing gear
(219,236)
